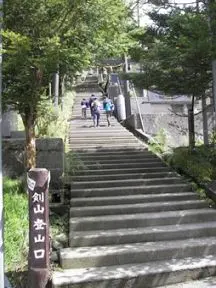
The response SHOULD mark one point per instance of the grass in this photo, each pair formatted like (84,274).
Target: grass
(15,225)
(16,229)
(199,165)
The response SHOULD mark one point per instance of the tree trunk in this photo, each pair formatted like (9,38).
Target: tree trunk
(205,120)
(61,91)
(126,89)
(30,147)
(56,89)
(191,125)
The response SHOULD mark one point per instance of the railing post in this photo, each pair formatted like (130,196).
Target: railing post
(38,263)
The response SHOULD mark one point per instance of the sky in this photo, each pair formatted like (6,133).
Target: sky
(144,19)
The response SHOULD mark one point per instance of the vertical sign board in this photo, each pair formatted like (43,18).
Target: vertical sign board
(1,189)
(38,185)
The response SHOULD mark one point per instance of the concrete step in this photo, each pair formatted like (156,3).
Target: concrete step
(92,90)
(155,163)
(100,147)
(142,220)
(89,119)
(88,124)
(150,175)
(99,141)
(85,127)
(126,182)
(97,136)
(147,234)
(121,150)
(137,208)
(103,137)
(98,133)
(117,157)
(103,131)
(125,170)
(114,153)
(108,134)
(99,256)
(87,85)
(148,275)
(209,282)
(88,129)
(132,190)
(132,199)
(116,160)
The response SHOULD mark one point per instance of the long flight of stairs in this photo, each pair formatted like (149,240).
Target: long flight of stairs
(134,223)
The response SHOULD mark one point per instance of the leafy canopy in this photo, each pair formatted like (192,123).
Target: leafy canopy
(42,37)
(175,53)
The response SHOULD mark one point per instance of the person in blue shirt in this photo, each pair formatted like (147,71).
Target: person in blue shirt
(108,106)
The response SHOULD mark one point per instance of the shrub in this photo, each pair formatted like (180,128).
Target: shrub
(194,163)
(52,121)
(158,144)
(73,163)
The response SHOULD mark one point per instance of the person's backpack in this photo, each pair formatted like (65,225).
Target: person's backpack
(83,104)
(107,105)
(96,106)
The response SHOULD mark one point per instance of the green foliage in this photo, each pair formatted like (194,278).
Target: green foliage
(158,144)
(53,122)
(46,116)
(59,224)
(73,164)
(38,41)
(175,54)
(199,163)
(43,37)
(213,138)
(16,225)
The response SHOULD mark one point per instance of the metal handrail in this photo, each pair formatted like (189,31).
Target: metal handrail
(119,85)
(138,107)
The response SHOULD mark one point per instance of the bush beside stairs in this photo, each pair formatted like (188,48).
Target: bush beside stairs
(134,223)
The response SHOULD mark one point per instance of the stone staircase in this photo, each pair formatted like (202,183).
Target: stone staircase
(134,223)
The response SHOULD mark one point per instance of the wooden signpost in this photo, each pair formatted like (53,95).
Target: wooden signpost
(39,247)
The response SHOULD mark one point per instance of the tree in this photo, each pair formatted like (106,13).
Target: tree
(176,58)
(43,37)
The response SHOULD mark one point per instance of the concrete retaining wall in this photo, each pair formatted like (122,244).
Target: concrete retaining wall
(175,127)
(50,155)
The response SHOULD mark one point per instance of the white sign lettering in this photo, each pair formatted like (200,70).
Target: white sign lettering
(39,239)
(38,209)
(38,197)
(39,254)
(39,224)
